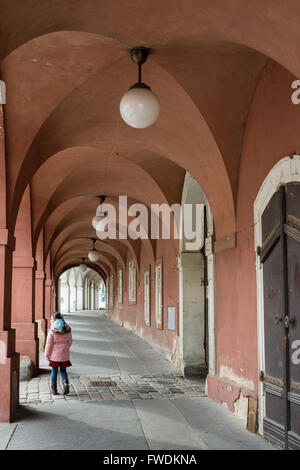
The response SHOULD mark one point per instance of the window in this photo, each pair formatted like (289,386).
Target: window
(132,281)
(158,294)
(147,296)
(120,287)
(111,291)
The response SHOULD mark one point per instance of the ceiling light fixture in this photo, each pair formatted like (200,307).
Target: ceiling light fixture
(93,255)
(139,107)
(83,267)
(99,213)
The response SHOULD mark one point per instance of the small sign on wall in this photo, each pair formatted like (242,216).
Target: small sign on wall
(172,318)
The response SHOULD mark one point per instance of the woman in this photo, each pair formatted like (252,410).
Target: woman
(57,351)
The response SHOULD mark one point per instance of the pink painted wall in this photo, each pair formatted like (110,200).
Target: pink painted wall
(272,133)
(132,315)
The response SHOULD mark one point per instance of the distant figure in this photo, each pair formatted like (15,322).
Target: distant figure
(57,351)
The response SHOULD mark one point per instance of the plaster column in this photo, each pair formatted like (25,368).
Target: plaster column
(96,297)
(92,297)
(83,297)
(53,298)
(64,296)
(85,303)
(88,292)
(80,298)
(9,358)
(74,307)
(40,292)
(211,277)
(107,295)
(68,298)
(40,308)
(48,295)
(74,303)
(23,303)
(23,284)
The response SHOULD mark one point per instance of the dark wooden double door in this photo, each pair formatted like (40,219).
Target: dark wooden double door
(280,258)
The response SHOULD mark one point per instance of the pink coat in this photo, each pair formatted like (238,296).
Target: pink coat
(58,345)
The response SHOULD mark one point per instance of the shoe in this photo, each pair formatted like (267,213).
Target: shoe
(54,389)
(65,387)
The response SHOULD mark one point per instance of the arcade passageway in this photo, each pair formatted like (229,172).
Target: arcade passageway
(141,401)
(189,110)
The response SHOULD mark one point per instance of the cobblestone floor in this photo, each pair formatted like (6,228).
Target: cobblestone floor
(129,387)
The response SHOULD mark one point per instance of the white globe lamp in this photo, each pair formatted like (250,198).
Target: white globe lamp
(139,107)
(93,255)
(83,266)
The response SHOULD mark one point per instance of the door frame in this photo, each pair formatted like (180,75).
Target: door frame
(287,170)
(192,193)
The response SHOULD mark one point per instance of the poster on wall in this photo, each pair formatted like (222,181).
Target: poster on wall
(171,318)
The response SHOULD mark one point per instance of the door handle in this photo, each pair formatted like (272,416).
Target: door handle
(278,319)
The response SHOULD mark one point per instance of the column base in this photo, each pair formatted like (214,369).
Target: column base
(42,333)
(27,342)
(9,388)
(30,348)
(194,370)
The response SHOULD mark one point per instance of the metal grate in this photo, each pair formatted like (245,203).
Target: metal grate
(104,384)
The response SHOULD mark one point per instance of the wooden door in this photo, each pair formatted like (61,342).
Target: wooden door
(280,256)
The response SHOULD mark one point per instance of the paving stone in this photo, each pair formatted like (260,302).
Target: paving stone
(128,387)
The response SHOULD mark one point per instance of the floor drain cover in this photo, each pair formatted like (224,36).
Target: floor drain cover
(166,382)
(104,384)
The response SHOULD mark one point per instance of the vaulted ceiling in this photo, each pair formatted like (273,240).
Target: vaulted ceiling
(66,67)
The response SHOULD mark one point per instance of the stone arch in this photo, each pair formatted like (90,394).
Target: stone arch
(75,289)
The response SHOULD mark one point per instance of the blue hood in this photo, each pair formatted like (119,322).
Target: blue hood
(58,325)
